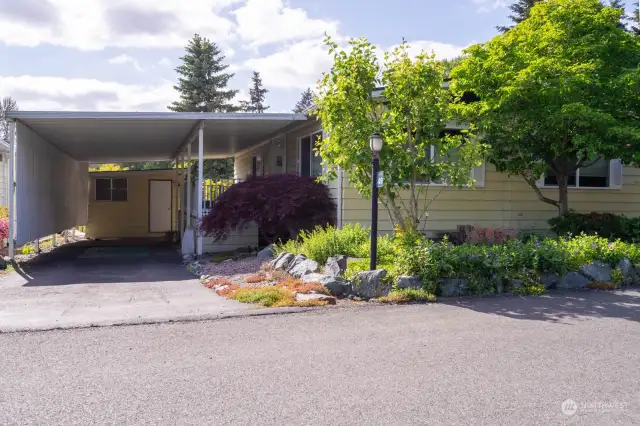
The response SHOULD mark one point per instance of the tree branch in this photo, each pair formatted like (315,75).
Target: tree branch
(541,197)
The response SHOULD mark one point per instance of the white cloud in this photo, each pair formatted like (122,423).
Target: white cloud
(164,62)
(262,22)
(125,59)
(95,24)
(57,93)
(300,65)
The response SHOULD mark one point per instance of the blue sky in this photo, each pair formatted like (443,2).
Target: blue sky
(121,54)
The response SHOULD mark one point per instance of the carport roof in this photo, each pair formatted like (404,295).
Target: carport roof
(103,137)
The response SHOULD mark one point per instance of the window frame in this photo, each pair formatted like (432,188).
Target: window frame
(311,151)
(111,189)
(540,183)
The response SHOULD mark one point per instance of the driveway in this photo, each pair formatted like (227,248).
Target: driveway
(502,361)
(91,283)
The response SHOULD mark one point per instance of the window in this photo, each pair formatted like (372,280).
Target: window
(600,174)
(435,155)
(310,161)
(111,189)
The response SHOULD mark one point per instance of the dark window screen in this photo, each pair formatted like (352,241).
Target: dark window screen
(103,189)
(305,156)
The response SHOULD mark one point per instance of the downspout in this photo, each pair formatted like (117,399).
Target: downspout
(340,196)
(11,190)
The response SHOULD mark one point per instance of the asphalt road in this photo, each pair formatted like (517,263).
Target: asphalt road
(505,361)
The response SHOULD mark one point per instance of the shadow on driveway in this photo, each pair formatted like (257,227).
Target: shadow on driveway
(119,261)
(558,306)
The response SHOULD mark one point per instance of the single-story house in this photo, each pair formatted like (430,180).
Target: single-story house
(53,190)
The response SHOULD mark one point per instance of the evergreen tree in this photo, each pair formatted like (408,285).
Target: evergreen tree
(520,11)
(6,104)
(257,94)
(306,101)
(635,21)
(202,82)
(619,4)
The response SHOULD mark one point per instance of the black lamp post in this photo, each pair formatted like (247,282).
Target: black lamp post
(375,143)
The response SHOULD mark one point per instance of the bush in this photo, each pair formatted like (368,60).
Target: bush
(281,205)
(606,225)
(478,235)
(351,240)
(409,295)
(4,229)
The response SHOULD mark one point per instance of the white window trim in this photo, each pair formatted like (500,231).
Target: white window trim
(540,182)
(95,189)
(299,168)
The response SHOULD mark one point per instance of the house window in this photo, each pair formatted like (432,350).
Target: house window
(310,161)
(596,175)
(111,189)
(435,156)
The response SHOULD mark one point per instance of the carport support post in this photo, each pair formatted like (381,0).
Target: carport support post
(188,184)
(200,183)
(182,201)
(11,183)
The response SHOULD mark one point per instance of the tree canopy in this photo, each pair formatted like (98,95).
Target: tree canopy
(257,95)
(557,91)
(6,104)
(202,82)
(305,102)
(412,116)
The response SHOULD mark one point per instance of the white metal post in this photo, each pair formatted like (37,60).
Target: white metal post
(11,188)
(189,185)
(200,185)
(53,240)
(182,200)
(37,245)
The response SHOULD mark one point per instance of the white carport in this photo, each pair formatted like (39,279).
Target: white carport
(51,151)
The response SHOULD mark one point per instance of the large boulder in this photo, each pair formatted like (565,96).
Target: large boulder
(597,271)
(549,280)
(452,287)
(405,282)
(336,265)
(371,284)
(629,275)
(330,300)
(266,254)
(282,261)
(573,280)
(336,285)
(301,266)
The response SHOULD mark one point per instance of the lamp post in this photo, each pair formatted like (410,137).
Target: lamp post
(375,143)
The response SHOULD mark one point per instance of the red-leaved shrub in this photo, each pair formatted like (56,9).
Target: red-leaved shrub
(281,206)
(4,229)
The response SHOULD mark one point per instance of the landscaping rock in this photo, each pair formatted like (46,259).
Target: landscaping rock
(371,284)
(451,287)
(515,284)
(282,261)
(629,274)
(3,264)
(597,271)
(573,280)
(336,285)
(315,297)
(549,280)
(266,254)
(301,266)
(336,265)
(405,281)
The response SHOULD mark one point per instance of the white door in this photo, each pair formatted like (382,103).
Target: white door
(159,205)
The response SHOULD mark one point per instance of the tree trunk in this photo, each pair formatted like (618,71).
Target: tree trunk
(563,194)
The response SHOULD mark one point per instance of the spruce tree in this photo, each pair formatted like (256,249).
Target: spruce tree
(306,101)
(202,82)
(257,95)
(520,11)
(635,21)
(6,104)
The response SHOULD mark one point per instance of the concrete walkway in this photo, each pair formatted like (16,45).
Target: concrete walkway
(82,285)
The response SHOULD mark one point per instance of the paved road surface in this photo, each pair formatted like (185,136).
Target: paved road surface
(507,361)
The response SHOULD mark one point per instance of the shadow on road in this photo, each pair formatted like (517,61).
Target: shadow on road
(555,307)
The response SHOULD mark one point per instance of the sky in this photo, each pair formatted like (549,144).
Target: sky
(120,55)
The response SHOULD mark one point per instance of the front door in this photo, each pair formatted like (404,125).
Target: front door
(160,205)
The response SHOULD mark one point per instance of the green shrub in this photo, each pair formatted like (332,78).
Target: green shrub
(530,290)
(408,295)
(356,266)
(606,225)
(351,241)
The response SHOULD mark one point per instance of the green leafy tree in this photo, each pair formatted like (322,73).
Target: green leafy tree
(257,95)
(305,102)
(202,82)
(6,104)
(558,91)
(411,117)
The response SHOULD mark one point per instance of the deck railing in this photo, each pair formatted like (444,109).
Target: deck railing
(211,190)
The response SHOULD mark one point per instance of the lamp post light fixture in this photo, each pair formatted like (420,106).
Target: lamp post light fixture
(375,143)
